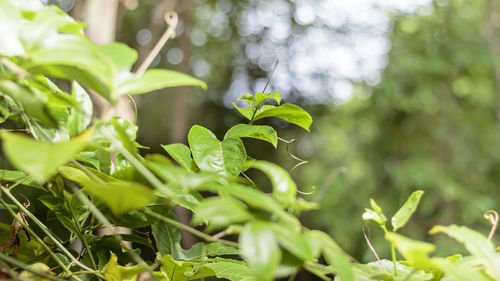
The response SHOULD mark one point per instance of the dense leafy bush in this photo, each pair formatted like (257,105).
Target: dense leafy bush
(92,176)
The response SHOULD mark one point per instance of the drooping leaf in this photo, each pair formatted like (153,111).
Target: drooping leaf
(265,133)
(259,248)
(156,79)
(220,212)
(284,189)
(225,158)
(80,116)
(41,159)
(288,112)
(404,213)
(181,153)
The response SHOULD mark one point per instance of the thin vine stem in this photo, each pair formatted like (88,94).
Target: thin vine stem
(189,229)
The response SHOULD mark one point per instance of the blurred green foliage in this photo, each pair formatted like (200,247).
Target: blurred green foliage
(431,123)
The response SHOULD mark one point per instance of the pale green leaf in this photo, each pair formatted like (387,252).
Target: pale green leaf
(230,269)
(259,248)
(10,24)
(457,272)
(334,255)
(297,243)
(156,79)
(41,159)
(265,133)
(415,252)
(247,112)
(121,197)
(15,176)
(404,213)
(225,158)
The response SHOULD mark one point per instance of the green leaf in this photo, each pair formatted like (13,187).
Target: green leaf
(203,250)
(261,200)
(180,153)
(403,215)
(156,79)
(334,255)
(459,272)
(265,133)
(478,245)
(220,212)
(415,252)
(41,159)
(375,207)
(249,98)
(370,214)
(297,243)
(34,105)
(225,158)
(121,197)
(10,24)
(261,97)
(184,270)
(230,269)
(259,248)
(288,112)
(247,112)
(284,189)
(80,117)
(167,238)
(15,176)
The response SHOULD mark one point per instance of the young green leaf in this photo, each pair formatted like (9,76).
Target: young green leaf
(260,250)
(403,215)
(370,214)
(180,153)
(247,112)
(41,159)
(288,112)
(261,97)
(249,98)
(225,158)
(284,189)
(265,133)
